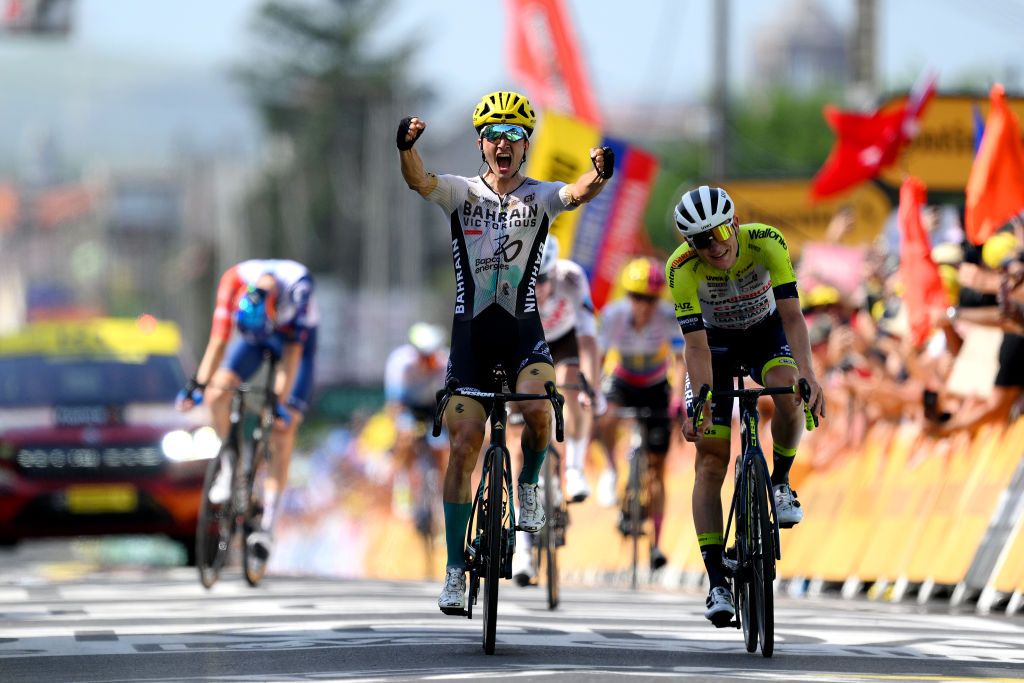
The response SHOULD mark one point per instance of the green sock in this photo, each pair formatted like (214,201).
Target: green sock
(456,518)
(532,461)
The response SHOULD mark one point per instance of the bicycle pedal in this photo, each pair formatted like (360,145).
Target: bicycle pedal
(787,525)
(455,611)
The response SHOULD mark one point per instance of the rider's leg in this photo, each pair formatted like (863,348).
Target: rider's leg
(466,420)
(282,442)
(711,466)
(537,415)
(218,394)
(787,422)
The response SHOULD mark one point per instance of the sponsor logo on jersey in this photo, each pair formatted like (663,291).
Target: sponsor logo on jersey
(528,199)
(509,248)
(530,304)
(768,233)
(460,282)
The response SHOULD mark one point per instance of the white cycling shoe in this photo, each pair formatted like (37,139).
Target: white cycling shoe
(531,512)
(453,594)
(260,544)
(576,486)
(720,607)
(787,507)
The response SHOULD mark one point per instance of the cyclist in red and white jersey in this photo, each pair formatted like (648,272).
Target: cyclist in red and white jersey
(643,330)
(499,221)
(270,304)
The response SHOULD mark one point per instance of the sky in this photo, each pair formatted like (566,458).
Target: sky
(635,52)
(643,49)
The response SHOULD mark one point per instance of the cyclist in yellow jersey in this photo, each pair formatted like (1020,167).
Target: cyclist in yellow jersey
(736,301)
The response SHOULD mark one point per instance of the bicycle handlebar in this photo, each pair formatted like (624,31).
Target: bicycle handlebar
(452,389)
(803,388)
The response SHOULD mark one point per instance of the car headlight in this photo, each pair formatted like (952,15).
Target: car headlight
(182,446)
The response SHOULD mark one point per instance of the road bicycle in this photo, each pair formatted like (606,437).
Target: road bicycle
(249,462)
(749,561)
(490,537)
(636,499)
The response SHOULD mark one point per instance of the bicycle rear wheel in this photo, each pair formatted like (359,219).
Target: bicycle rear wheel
(549,534)
(763,566)
(216,523)
(492,542)
(255,567)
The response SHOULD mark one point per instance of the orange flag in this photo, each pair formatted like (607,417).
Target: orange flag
(922,286)
(543,55)
(995,188)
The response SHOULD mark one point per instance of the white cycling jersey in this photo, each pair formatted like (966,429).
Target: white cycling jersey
(412,378)
(568,306)
(497,242)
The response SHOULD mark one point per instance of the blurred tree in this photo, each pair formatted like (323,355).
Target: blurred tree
(319,87)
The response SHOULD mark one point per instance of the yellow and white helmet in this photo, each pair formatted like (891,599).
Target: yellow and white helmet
(505,106)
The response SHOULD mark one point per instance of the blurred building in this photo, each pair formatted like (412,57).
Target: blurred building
(801,49)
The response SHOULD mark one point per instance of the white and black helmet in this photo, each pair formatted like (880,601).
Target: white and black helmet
(547,262)
(702,209)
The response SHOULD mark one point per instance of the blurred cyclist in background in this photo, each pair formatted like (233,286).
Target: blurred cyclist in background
(270,304)
(567,314)
(642,328)
(413,374)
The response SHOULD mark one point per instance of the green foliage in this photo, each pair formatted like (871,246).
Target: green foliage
(315,81)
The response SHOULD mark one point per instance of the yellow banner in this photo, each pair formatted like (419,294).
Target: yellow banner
(560,151)
(96,337)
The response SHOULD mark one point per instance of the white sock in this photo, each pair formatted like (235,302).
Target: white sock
(575,453)
(269,505)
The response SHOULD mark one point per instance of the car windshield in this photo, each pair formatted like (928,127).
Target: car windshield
(53,380)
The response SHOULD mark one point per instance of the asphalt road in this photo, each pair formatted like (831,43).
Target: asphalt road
(73,620)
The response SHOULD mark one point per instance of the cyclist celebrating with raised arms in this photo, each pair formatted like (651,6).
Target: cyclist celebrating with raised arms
(270,303)
(735,296)
(499,222)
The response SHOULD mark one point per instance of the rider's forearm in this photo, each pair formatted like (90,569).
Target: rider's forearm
(590,361)
(795,327)
(698,362)
(586,187)
(415,174)
(212,357)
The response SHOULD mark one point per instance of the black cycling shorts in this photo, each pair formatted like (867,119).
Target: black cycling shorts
(565,349)
(491,338)
(758,348)
(655,430)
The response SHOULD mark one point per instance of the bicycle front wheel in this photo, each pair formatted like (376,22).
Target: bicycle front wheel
(763,566)
(255,565)
(549,534)
(492,544)
(746,596)
(216,520)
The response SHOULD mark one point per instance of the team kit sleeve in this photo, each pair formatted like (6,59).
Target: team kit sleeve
(682,284)
(449,192)
(779,264)
(228,291)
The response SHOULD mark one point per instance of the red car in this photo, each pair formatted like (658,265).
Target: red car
(90,442)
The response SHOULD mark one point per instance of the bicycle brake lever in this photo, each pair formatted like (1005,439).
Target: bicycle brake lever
(810,419)
(557,401)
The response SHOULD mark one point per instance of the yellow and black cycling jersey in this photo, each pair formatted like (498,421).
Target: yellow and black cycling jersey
(737,298)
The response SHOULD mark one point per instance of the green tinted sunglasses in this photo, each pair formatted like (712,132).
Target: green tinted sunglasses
(495,131)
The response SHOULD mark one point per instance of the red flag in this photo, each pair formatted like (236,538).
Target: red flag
(542,53)
(995,188)
(867,143)
(922,286)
